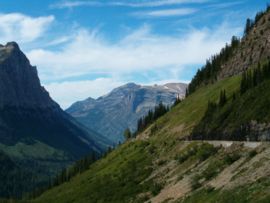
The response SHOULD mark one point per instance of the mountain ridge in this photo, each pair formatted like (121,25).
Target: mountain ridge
(34,131)
(112,113)
(164,164)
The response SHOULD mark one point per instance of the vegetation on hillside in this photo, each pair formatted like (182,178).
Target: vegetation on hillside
(144,167)
(253,77)
(14,180)
(152,116)
(256,192)
(209,72)
(233,120)
(119,177)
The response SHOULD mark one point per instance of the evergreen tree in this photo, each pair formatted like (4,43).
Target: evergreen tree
(152,116)
(222,98)
(127,134)
(177,101)
(249,25)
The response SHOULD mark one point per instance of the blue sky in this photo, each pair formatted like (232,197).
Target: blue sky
(86,48)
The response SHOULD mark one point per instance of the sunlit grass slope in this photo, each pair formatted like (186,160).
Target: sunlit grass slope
(122,175)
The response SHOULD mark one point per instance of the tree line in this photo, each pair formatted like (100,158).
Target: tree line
(252,77)
(150,118)
(66,174)
(208,73)
(251,23)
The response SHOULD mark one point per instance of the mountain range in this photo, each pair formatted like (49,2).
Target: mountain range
(111,114)
(211,147)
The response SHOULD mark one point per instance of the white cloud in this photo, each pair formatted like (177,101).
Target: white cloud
(135,4)
(66,93)
(73,4)
(165,12)
(22,28)
(139,52)
(157,3)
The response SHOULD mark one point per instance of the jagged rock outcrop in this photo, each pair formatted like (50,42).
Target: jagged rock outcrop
(111,114)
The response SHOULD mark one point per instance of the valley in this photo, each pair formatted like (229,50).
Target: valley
(207,141)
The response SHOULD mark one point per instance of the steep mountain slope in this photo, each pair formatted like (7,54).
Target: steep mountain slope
(111,114)
(163,164)
(254,47)
(34,131)
(159,166)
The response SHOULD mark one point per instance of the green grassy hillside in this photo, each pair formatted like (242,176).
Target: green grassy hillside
(159,161)
(163,165)
(123,169)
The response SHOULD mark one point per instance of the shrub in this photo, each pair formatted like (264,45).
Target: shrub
(199,151)
(231,158)
(195,182)
(252,153)
(156,188)
(205,151)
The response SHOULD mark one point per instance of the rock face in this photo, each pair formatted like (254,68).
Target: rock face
(28,114)
(254,48)
(111,114)
(37,138)
(19,84)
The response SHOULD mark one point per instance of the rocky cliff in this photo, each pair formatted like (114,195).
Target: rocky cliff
(34,131)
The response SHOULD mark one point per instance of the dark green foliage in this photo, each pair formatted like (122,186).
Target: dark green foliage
(234,96)
(231,158)
(195,182)
(200,152)
(253,77)
(66,174)
(127,134)
(152,116)
(78,167)
(156,188)
(208,73)
(232,121)
(15,181)
(177,101)
(251,23)
(252,153)
(249,26)
(119,177)
(205,151)
(222,98)
(212,169)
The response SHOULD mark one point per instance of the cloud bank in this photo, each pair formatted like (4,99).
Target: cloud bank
(133,4)
(23,28)
(139,52)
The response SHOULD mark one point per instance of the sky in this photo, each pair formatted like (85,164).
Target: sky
(85,48)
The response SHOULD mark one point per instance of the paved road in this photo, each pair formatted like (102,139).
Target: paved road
(229,143)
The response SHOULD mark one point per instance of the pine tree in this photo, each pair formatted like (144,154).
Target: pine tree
(249,25)
(127,134)
(222,98)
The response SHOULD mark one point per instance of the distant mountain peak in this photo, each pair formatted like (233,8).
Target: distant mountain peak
(131,84)
(123,106)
